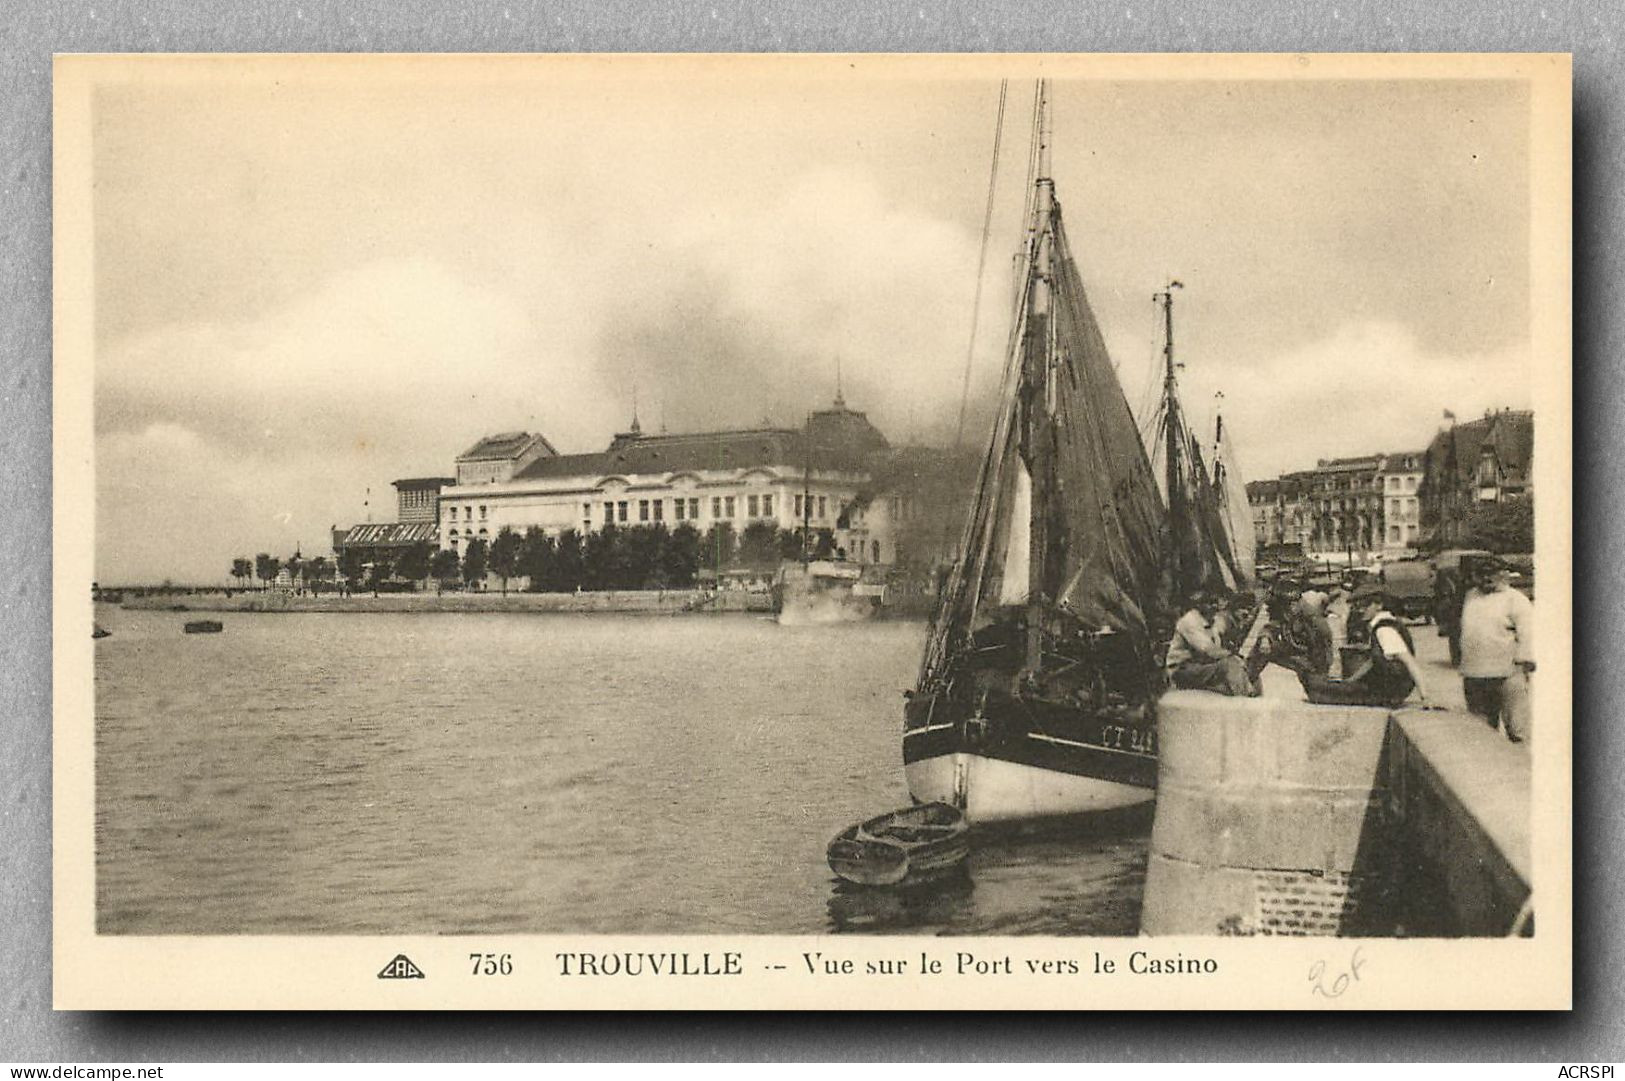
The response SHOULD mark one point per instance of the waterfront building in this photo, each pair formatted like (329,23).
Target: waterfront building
(1400,479)
(417,499)
(1387,505)
(1360,508)
(1490,460)
(496,458)
(821,473)
(373,541)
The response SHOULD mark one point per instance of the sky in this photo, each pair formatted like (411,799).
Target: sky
(311,279)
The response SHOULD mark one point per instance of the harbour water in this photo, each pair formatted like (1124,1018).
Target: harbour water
(449,772)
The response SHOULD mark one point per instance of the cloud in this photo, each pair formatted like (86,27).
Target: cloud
(1368,387)
(216,440)
(748,313)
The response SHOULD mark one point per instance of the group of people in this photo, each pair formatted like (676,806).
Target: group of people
(1497,649)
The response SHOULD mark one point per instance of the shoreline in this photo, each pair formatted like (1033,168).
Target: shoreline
(671,602)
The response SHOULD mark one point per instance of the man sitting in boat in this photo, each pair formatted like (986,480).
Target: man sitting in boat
(1388,674)
(1197,657)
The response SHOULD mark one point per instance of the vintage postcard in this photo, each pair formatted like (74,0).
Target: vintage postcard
(844,532)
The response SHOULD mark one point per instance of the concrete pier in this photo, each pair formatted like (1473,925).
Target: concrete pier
(1278,817)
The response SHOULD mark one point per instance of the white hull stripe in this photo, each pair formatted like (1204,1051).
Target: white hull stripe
(1039,736)
(1085,746)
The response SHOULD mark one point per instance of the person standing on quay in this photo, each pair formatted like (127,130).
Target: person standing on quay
(1497,649)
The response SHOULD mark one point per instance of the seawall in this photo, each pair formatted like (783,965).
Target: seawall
(1278,817)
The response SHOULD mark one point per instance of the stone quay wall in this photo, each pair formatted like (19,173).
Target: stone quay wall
(1278,817)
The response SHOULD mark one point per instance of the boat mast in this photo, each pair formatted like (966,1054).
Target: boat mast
(806,494)
(1171,424)
(1037,436)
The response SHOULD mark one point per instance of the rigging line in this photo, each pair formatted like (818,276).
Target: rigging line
(981,262)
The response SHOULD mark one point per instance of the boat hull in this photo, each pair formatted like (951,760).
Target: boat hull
(1055,763)
(915,844)
(995,790)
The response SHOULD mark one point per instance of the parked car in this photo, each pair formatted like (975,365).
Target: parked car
(1410,583)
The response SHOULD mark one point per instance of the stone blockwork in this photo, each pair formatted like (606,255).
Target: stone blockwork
(1267,810)
(1463,793)
(1276,816)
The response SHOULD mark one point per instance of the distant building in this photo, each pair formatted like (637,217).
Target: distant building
(1359,507)
(1349,504)
(497,458)
(821,473)
(382,540)
(417,499)
(1490,460)
(1400,479)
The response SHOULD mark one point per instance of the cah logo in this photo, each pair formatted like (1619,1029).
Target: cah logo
(401,968)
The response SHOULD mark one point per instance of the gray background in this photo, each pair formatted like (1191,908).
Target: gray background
(29,34)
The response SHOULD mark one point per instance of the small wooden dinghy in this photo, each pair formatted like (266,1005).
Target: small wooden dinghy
(910,845)
(205,626)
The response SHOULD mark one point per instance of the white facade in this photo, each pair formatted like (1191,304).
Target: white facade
(1400,479)
(700,498)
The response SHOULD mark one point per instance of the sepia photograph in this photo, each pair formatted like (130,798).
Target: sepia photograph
(1008,525)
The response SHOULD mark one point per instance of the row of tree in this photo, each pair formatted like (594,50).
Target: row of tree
(266,567)
(615,557)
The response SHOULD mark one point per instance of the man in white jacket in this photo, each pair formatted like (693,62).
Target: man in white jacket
(1497,649)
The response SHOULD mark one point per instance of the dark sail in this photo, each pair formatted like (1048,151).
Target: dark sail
(1201,553)
(1067,524)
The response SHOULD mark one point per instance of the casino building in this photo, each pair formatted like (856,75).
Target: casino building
(823,470)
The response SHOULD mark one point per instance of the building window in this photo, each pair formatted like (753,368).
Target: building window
(468,514)
(767,506)
(694,508)
(660,508)
(679,506)
(752,505)
(620,510)
(1410,484)
(821,508)
(609,513)
(874,547)
(716,506)
(728,506)
(643,510)
(482,512)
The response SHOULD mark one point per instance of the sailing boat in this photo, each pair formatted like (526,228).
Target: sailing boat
(1202,553)
(1231,488)
(1037,692)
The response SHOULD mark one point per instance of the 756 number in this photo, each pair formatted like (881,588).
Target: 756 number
(492,964)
